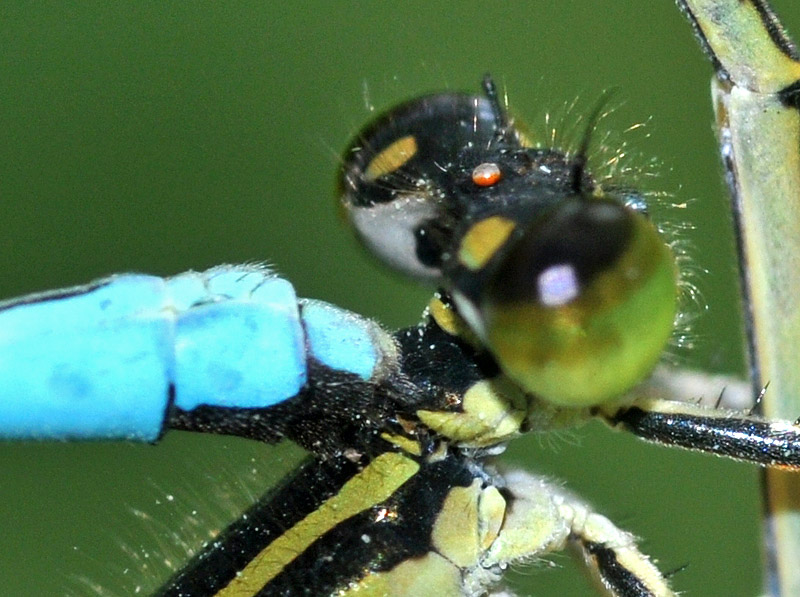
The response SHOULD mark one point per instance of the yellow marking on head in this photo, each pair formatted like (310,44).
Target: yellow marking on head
(391,158)
(376,483)
(483,240)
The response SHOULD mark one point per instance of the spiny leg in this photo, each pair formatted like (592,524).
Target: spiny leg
(733,434)
(543,518)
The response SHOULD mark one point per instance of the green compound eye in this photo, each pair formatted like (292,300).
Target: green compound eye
(581,306)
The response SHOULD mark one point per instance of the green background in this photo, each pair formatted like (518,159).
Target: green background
(162,137)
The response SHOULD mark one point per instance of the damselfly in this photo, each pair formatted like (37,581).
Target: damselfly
(311,157)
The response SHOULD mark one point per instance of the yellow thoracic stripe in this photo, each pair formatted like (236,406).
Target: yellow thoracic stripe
(377,482)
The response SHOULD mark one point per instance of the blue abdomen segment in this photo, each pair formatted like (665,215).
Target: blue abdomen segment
(103,361)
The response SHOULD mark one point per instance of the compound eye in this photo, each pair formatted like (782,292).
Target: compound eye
(580,308)
(397,178)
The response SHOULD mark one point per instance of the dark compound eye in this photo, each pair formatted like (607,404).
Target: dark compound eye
(580,307)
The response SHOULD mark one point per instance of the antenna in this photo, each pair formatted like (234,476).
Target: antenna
(500,113)
(581,158)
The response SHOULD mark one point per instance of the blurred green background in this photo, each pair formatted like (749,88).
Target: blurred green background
(162,137)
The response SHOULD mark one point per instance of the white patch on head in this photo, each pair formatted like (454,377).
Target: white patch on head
(388,231)
(558,285)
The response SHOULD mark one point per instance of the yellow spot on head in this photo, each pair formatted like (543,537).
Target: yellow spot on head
(483,240)
(392,157)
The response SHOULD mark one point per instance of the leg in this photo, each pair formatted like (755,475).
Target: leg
(729,433)
(542,518)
